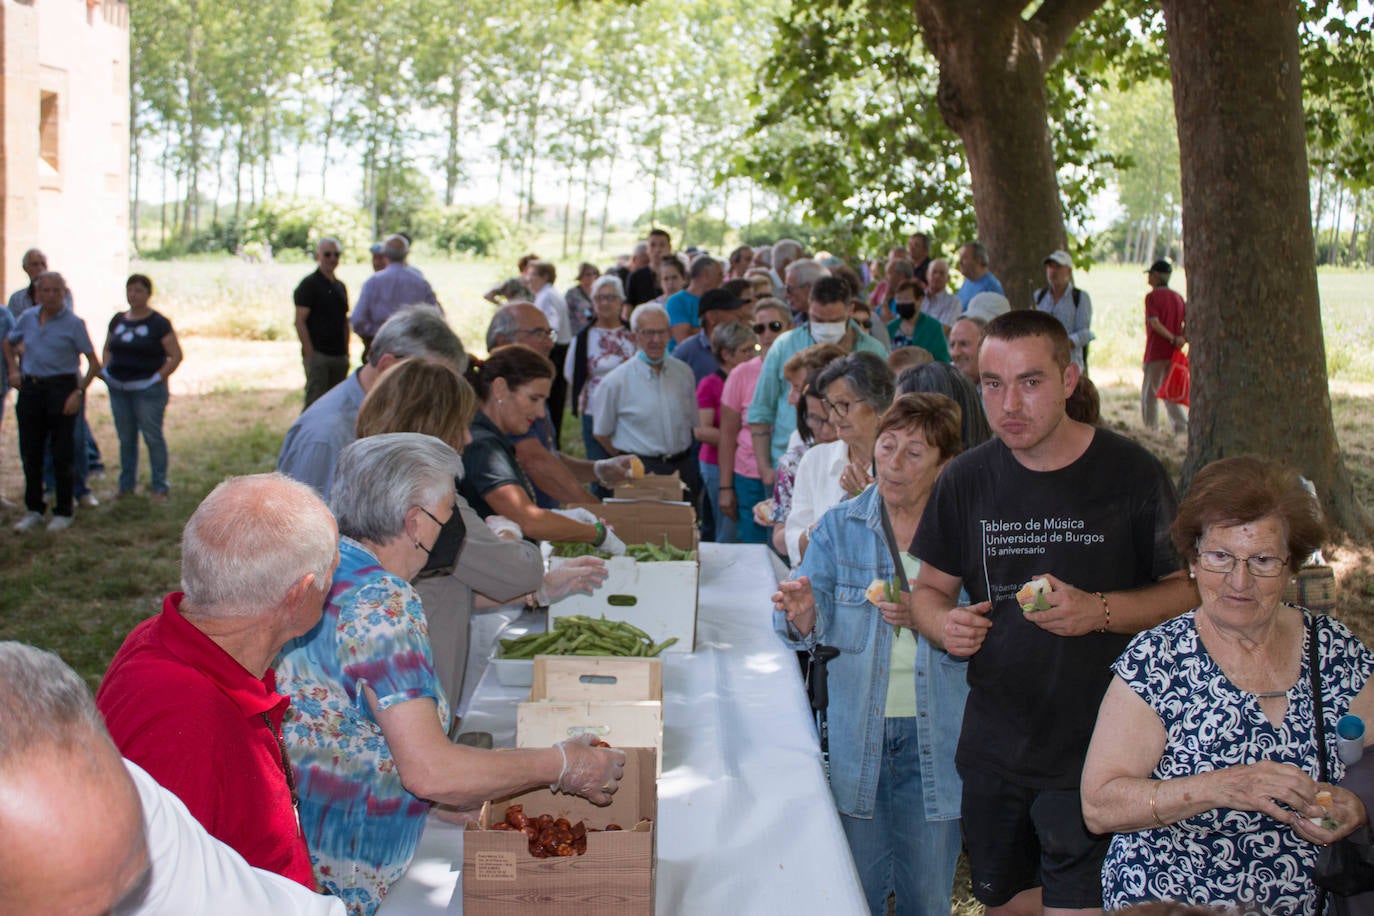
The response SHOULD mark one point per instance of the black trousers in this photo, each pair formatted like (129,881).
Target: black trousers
(43,427)
(685,467)
(558,392)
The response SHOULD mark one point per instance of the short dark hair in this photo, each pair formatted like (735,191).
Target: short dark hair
(546,270)
(702,264)
(661,232)
(1019,324)
(1244,489)
(516,363)
(830,289)
(142,280)
(1085,403)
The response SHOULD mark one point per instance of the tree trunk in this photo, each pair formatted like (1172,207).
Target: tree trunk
(1332,248)
(1321,201)
(1350,254)
(992,94)
(451,154)
(1259,381)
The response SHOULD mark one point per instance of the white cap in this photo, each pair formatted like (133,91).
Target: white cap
(987,306)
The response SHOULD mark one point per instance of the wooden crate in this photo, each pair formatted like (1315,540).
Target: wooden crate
(615,877)
(618,700)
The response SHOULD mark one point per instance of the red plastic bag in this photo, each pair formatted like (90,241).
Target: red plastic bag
(1175,387)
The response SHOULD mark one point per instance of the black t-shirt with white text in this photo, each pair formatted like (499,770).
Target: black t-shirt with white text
(1101,524)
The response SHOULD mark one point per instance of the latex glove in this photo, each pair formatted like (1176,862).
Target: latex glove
(612,545)
(577,575)
(504,528)
(591,772)
(611,471)
(578,514)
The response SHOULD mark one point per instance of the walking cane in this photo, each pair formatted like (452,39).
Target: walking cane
(818,689)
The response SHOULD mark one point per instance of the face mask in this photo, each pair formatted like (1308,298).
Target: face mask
(653,362)
(828,332)
(907,310)
(443,553)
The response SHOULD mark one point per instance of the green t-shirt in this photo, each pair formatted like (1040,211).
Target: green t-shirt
(901,671)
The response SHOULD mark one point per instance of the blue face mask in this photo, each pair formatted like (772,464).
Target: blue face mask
(653,362)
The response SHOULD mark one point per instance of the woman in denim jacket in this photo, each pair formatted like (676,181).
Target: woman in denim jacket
(896,702)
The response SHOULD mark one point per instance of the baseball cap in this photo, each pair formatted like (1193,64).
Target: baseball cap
(987,306)
(376,248)
(1060,257)
(718,300)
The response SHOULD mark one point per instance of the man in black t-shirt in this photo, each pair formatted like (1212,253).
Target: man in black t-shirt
(322,323)
(643,285)
(1090,512)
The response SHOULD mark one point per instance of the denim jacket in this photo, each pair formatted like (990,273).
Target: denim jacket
(847,552)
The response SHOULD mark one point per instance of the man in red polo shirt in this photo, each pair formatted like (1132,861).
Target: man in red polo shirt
(191,696)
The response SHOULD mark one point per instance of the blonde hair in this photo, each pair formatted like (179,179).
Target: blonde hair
(418,396)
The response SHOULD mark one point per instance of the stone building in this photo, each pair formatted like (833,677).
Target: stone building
(64,147)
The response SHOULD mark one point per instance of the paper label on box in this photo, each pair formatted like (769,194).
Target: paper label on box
(495,866)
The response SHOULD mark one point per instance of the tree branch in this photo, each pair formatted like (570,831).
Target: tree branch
(1055,21)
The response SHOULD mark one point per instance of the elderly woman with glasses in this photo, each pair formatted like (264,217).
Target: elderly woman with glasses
(1205,759)
(366,725)
(596,350)
(855,391)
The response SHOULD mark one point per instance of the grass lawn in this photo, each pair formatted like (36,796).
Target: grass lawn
(80,593)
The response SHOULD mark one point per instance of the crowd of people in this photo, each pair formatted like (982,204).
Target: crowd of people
(1092,688)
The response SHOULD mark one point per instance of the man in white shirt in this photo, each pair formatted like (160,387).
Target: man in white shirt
(647,405)
(88,832)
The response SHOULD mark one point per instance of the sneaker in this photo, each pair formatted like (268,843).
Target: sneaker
(30,521)
(60,523)
(88,500)
(158,498)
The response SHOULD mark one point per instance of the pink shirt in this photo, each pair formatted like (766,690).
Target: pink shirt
(738,393)
(708,398)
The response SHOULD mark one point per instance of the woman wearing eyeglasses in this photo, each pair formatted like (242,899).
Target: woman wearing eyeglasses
(855,391)
(741,484)
(1204,762)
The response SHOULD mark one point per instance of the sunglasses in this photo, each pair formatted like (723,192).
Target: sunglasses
(866,324)
(774,326)
(329,254)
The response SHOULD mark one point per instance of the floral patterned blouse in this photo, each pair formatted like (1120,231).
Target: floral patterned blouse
(360,823)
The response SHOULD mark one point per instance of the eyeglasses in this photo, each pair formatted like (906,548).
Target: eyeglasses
(654,334)
(329,254)
(606,297)
(1219,561)
(546,333)
(838,408)
(865,323)
(774,326)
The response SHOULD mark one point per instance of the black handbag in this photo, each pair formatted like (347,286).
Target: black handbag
(1345,867)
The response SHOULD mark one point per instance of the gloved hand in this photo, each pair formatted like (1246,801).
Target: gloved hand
(612,545)
(591,772)
(504,528)
(577,514)
(579,574)
(611,471)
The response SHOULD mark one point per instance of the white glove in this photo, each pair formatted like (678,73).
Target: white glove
(578,514)
(611,471)
(504,528)
(579,574)
(612,545)
(591,772)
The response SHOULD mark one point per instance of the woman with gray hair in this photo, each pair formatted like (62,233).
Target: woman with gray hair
(855,391)
(732,344)
(943,378)
(596,350)
(367,719)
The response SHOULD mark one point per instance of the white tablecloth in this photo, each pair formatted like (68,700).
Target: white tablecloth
(746,821)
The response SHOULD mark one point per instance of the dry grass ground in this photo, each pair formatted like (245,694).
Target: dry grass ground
(81,592)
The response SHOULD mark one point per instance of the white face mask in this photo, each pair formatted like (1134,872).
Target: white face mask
(828,332)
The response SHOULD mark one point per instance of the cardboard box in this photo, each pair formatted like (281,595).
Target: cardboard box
(615,877)
(665,487)
(659,598)
(619,700)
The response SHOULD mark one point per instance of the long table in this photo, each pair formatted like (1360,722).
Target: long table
(746,821)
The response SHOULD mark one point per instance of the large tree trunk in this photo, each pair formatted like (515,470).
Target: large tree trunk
(992,94)
(1258,357)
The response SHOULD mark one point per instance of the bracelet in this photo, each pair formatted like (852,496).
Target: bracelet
(1154,798)
(600,533)
(1107,610)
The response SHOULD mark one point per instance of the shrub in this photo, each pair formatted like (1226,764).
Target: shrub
(483,231)
(287,223)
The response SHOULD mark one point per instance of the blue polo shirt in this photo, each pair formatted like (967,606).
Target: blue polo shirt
(682,309)
(313,443)
(51,347)
(987,283)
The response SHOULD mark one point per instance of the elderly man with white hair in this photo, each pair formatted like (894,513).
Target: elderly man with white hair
(389,290)
(87,832)
(191,694)
(647,405)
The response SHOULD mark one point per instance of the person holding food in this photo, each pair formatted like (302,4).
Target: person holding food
(855,391)
(1205,756)
(896,701)
(366,726)
(512,387)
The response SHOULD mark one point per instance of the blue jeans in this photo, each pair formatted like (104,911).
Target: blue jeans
(898,849)
(594,452)
(749,491)
(723,529)
(140,413)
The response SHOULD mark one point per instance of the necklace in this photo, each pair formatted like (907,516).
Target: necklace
(1257,694)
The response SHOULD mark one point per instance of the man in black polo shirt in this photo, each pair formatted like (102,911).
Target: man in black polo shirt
(322,322)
